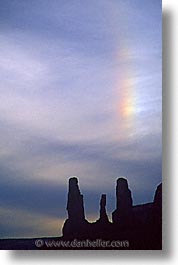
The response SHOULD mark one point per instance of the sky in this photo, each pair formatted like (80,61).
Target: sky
(80,95)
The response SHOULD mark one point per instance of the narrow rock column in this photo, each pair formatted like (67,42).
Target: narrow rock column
(75,205)
(76,225)
(157,207)
(103,214)
(123,211)
(123,196)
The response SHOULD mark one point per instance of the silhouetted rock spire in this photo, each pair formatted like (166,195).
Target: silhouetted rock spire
(158,197)
(75,225)
(103,214)
(140,224)
(157,206)
(75,205)
(123,202)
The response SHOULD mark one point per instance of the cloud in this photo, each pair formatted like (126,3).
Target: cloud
(21,223)
(61,67)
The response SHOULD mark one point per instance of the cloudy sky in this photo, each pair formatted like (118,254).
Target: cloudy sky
(80,95)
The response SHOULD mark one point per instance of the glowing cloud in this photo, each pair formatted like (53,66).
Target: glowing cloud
(125,90)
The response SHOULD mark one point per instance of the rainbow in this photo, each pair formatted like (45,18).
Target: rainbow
(126,107)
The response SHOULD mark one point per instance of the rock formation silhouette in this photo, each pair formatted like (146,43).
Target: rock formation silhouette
(157,214)
(123,213)
(76,222)
(75,205)
(103,215)
(140,224)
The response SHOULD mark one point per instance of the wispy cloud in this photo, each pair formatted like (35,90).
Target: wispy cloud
(21,223)
(65,69)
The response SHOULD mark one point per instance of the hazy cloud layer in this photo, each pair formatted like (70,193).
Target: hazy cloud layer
(80,94)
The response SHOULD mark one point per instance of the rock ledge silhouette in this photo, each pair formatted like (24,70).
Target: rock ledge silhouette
(141,224)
